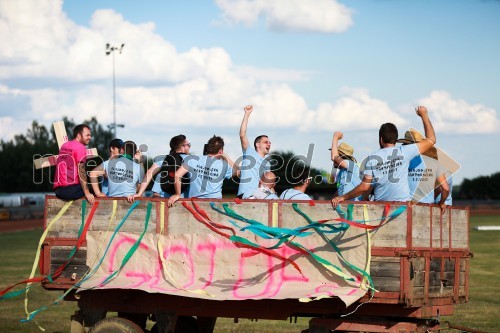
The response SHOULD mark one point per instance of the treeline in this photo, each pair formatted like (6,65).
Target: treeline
(481,188)
(18,174)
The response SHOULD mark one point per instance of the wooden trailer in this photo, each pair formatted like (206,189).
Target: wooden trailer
(417,259)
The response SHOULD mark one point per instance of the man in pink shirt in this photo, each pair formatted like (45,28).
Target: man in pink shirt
(70,181)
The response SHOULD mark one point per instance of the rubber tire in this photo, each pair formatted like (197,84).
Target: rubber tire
(115,325)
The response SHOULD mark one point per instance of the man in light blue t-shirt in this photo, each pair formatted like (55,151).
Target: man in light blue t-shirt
(386,170)
(207,172)
(115,150)
(343,159)
(254,162)
(123,173)
(300,176)
(179,144)
(426,175)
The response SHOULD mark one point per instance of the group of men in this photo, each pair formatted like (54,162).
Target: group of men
(392,173)
(410,172)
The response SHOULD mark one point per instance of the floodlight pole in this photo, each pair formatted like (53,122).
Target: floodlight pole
(110,50)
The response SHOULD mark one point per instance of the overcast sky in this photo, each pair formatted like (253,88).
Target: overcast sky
(309,67)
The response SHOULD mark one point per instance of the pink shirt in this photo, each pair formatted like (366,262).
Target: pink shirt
(70,154)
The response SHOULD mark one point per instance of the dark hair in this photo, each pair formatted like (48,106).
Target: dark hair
(300,174)
(257,140)
(176,142)
(388,133)
(215,144)
(79,130)
(130,148)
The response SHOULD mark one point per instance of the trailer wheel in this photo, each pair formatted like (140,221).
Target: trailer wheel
(115,325)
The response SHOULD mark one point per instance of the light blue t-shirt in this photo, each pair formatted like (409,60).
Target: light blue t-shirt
(105,182)
(123,176)
(348,178)
(389,169)
(293,194)
(251,169)
(206,176)
(422,174)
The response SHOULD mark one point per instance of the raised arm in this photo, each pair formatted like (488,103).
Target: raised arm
(430,136)
(234,167)
(96,172)
(336,159)
(243,128)
(177,184)
(152,171)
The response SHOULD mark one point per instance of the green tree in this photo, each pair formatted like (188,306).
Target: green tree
(17,171)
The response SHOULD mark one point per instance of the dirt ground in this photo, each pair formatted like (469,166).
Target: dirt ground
(19,225)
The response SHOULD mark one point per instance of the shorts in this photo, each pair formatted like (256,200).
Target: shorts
(70,192)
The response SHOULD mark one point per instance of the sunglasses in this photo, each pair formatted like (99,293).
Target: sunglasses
(187,144)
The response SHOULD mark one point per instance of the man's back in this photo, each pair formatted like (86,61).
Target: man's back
(70,154)
(422,175)
(388,168)
(207,174)
(348,178)
(293,194)
(123,176)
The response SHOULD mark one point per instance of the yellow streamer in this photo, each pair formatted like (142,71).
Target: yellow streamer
(369,250)
(167,274)
(37,257)
(162,217)
(275,215)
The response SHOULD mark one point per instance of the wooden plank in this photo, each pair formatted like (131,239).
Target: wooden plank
(182,221)
(386,283)
(385,259)
(440,234)
(421,226)
(459,230)
(385,269)
(69,270)
(69,224)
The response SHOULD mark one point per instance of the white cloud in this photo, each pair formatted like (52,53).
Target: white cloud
(450,115)
(162,92)
(273,74)
(325,16)
(354,110)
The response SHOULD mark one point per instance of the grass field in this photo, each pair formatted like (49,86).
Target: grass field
(17,251)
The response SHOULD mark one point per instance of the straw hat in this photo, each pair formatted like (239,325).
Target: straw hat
(346,151)
(411,136)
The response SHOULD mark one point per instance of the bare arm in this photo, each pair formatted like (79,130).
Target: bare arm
(336,159)
(430,136)
(177,184)
(82,175)
(445,190)
(96,172)
(365,186)
(234,167)
(152,171)
(243,128)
